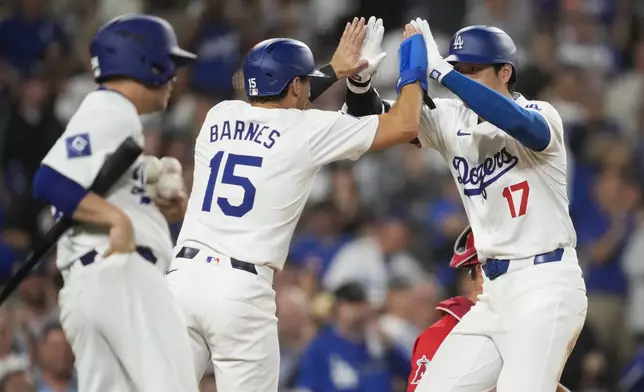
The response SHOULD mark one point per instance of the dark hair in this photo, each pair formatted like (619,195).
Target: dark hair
(473,271)
(497,69)
(279,97)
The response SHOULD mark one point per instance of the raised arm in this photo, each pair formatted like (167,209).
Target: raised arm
(339,136)
(346,61)
(529,127)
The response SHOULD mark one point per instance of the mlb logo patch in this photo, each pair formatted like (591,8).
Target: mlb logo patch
(254,92)
(210,259)
(435,75)
(78,146)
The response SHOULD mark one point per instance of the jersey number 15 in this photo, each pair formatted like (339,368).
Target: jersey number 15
(228,177)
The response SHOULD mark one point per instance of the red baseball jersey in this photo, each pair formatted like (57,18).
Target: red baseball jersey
(427,344)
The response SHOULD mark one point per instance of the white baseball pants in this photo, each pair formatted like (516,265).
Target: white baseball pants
(519,334)
(230,314)
(124,327)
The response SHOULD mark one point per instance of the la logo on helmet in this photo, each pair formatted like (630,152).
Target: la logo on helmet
(458,42)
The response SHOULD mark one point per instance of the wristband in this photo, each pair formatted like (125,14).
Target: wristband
(412,58)
(320,85)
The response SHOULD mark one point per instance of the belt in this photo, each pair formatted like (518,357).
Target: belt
(187,252)
(495,267)
(144,251)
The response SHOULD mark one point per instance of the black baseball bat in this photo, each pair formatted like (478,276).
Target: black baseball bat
(115,165)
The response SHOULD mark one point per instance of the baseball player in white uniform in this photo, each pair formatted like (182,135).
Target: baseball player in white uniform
(117,312)
(508,158)
(255,164)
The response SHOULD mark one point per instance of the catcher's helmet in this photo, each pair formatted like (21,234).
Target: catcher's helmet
(464,250)
(139,47)
(483,45)
(273,63)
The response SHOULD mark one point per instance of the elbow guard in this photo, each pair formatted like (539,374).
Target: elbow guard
(57,190)
(365,104)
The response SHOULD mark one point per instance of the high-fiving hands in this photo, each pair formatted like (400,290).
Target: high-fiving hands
(371,50)
(437,67)
(347,60)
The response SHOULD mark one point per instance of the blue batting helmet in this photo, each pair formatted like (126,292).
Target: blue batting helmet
(140,47)
(483,45)
(273,63)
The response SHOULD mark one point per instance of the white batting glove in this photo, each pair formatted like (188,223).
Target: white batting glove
(437,67)
(371,51)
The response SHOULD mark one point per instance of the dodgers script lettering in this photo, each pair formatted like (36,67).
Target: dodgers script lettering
(485,174)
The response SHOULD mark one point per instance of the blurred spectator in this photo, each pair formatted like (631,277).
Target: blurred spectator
(587,366)
(218,46)
(446,221)
(601,235)
(396,323)
(343,357)
(581,44)
(625,95)
(382,256)
(320,242)
(346,197)
(512,16)
(295,328)
(37,307)
(633,375)
(634,268)
(535,77)
(56,362)
(31,128)
(32,42)
(13,357)
(15,376)
(565,94)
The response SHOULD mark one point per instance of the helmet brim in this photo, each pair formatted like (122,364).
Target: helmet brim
(317,74)
(182,57)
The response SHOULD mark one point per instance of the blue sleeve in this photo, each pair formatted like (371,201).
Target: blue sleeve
(526,126)
(313,373)
(57,190)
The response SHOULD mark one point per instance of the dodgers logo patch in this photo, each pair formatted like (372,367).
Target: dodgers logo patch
(480,177)
(78,146)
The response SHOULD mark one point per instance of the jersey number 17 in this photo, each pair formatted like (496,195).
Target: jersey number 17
(508,194)
(230,178)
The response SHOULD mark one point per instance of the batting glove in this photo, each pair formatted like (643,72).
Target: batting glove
(372,52)
(437,67)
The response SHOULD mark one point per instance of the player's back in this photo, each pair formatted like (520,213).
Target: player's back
(254,169)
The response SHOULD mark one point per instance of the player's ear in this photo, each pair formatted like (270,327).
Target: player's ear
(506,73)
(297,87)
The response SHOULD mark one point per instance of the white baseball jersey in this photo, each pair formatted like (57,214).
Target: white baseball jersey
(515,198)
(254,169)
(103,121)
